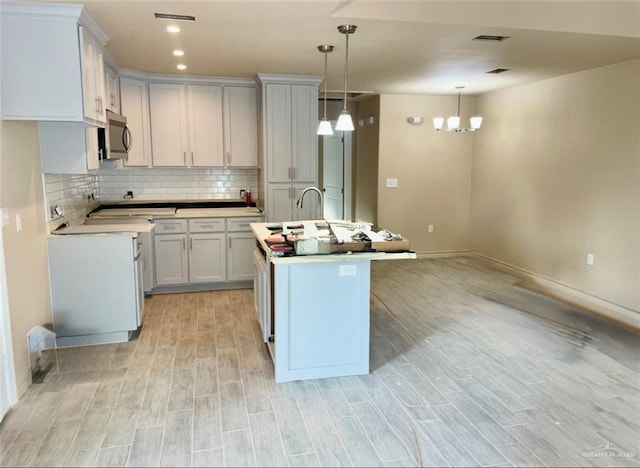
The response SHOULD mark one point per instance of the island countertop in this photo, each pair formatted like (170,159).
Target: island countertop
(262,233)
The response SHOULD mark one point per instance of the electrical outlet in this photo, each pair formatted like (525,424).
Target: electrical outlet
(348,270)
(392,183)
(590,259)
(56,212)
(430,228)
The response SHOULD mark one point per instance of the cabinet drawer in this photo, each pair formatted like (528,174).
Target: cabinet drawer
(206,225)
(171,226)
(240,224)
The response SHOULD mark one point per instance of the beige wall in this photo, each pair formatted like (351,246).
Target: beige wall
(25,251)
(433,171)
(365,162)
(556,175)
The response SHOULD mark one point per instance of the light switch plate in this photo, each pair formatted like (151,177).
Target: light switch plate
(392,183)
(5,216)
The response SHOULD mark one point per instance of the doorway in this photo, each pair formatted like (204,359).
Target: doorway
(8,391)
(335,158)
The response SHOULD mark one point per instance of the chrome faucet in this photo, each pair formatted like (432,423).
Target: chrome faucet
(301,197)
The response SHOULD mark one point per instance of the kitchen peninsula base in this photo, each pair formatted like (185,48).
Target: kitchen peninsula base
(319,308)
(321,319)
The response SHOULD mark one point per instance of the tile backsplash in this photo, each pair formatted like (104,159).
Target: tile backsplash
(72,193)
(177,183)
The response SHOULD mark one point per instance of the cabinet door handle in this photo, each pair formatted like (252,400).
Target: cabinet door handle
(289,175)
(191,243)
(293,173)
(192,158)
(184,247)
(228,158)
(184,157)
(229,242)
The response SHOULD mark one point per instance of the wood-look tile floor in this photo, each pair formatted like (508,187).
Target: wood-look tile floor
(467,369)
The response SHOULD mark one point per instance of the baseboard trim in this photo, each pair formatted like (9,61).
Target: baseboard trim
(444,253)
(620,315)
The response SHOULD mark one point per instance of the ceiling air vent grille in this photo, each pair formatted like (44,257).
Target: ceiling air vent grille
(497,71)
(175,17)
(488,38)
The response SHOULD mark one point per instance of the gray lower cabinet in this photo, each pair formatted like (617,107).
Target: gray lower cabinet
(207,258)
(95,288)
(241,245)
(203,250)
(170,248)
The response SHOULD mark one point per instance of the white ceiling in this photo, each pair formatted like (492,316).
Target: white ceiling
(413,47)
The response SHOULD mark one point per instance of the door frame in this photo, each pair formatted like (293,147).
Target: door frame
(7,367)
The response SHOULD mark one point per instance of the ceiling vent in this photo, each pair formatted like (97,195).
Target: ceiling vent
(175,17)
(497,71)
(488,38)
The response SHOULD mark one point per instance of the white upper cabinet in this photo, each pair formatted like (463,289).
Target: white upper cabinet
(203,125)
(278,123)
(291,120)
(186,124)
(241,126)
(111,89)
(169,134)
(51,63)
(92,76)
(134,102)
(67,148)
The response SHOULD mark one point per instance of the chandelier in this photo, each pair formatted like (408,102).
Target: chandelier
(453,122)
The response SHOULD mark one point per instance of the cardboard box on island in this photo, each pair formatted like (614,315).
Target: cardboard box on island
(382,246)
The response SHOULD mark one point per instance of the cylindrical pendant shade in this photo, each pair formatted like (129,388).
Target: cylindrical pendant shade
(475,122)
(438,122)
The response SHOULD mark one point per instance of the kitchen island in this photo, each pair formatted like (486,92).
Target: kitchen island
(314,309)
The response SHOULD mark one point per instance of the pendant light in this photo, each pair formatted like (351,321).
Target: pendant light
(324,127)
(453,122)
(345,123)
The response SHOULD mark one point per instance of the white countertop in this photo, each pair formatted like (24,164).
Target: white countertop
(127,229)
(217,212)
(261,233)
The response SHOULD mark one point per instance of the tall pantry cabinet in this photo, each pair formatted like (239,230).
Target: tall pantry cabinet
(289,145)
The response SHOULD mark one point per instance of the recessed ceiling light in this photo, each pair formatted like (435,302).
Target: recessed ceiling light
(178,53)
(181,66)
(173,29)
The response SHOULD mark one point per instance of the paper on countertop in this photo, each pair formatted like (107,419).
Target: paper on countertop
(345,232)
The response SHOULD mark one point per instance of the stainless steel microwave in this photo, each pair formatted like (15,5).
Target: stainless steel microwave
(114,139)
